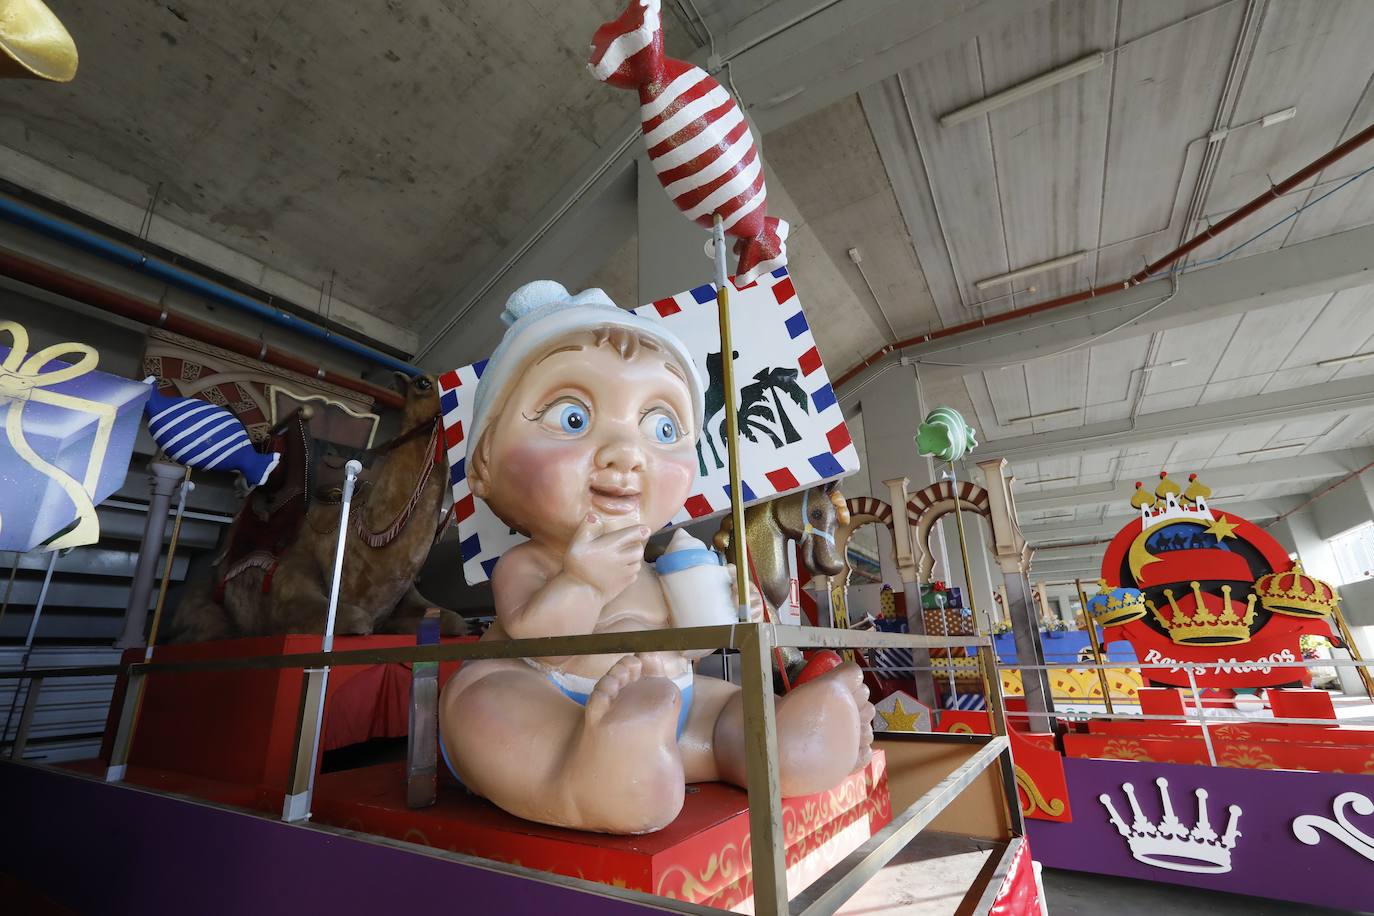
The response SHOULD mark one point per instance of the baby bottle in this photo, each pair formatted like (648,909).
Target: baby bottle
(696,583)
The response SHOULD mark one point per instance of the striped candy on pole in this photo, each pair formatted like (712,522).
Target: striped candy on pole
(206,437)
(945,435)
(699,144)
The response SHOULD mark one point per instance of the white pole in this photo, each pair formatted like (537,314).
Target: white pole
(38,608)
(296,807)
(351,470)
(28,640)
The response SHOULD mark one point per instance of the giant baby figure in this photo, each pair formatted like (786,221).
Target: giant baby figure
(583,438)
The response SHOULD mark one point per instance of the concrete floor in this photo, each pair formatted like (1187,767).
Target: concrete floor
(1078,894)
(929,877)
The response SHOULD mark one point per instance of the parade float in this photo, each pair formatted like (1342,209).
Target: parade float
(1273,803)
(570,758)
(1220,767)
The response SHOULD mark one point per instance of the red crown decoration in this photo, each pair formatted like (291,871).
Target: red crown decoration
(1296,594)
(1197,624)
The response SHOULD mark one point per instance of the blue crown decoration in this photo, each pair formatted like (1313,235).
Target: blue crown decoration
(1116,606)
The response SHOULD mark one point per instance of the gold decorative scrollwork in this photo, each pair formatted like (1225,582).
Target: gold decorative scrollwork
(1034,797)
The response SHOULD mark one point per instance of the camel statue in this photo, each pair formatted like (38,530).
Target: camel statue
(809,517)
(274,576)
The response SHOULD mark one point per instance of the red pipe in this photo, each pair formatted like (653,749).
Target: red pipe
(45,277)
(1316,496)
(1274,192)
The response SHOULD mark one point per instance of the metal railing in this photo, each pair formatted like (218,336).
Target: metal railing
(1198,706)
(753,641)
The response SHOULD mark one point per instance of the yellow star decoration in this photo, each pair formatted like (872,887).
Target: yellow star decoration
(1221,528)
(899,720)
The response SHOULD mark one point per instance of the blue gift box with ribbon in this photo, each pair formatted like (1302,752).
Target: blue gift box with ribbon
(68,435)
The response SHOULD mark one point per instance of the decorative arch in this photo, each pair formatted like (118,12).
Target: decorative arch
(926,507)
(863,510)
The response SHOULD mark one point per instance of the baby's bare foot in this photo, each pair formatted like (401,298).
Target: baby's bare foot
(624,772)
(825,731)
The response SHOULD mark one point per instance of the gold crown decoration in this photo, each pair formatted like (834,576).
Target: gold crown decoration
(1116,606)
(1205,627)
(1197,491)
(1296,594)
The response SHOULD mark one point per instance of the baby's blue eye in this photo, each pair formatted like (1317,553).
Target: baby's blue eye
(573,419)
(661,426)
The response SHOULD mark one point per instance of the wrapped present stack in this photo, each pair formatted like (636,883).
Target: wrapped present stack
(69,437)
(944,613)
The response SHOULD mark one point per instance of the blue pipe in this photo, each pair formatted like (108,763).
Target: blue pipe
(38,221)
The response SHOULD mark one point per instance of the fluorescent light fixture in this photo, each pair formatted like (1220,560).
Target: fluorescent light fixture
(1269,120)
(1172,364)
(1045,480)
(1022,90)
(1032,270)
(1343,360)
(1278,117)
(1273,448)
(1041,416)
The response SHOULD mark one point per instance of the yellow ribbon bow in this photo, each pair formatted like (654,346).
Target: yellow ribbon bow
(22,380)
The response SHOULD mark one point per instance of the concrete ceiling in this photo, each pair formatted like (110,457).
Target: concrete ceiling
(433,153)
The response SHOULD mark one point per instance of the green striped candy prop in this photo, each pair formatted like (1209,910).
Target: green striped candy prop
(945,435)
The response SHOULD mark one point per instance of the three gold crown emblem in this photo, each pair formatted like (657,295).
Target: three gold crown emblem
(1203,626)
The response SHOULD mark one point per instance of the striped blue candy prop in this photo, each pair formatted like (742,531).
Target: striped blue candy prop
(206,437)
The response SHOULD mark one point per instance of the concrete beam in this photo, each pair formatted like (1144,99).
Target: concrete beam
(1314,268)
(1271,409)
(1317,466)
(1254,510)
(1086,569)
(828,53)
(845,46)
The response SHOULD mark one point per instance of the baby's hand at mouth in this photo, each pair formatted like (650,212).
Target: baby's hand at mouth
(608,562)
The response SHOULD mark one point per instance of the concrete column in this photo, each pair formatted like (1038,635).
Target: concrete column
(1300,532)
(979,561)
(904,556)
(1013,558)
(163,478)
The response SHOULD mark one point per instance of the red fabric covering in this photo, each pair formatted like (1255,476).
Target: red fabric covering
(239,727)
(1020,893)
(374,703)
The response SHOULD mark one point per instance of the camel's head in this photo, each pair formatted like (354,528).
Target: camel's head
(422,398)
(826,514)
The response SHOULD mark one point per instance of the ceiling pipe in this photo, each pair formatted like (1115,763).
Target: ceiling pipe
(48,278)
(1273,193)
(1318,495)
(36,220)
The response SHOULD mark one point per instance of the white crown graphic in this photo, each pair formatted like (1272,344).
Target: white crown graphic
(1171,845)
(1174,511)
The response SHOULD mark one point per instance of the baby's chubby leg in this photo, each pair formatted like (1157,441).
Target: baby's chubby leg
(825,732)
(611,766)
